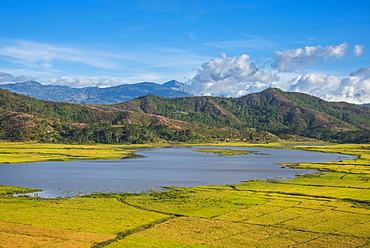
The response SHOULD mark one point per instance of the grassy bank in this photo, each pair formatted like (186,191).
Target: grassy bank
(19,152)
(326,209)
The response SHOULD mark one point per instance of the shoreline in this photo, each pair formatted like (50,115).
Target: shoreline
(128,153)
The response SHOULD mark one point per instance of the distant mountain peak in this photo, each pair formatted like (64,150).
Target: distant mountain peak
(96,95)
(176,85)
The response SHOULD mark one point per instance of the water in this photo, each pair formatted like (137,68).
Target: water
(177,166)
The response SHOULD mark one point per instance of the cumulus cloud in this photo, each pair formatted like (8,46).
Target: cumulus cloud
(300,58)
(9,78)
(237,76)
(355,88)
(82,82)
(313,84)
(230,76)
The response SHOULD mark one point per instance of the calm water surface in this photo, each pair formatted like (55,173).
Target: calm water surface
(177,166)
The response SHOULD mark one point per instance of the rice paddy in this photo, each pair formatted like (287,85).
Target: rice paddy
(330,208)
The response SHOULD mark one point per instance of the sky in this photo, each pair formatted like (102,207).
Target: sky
(221,47)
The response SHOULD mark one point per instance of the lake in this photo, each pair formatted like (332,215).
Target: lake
(158,167)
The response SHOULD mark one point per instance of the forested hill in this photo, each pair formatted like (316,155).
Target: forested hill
(24,118)
(268,115)
(271,110)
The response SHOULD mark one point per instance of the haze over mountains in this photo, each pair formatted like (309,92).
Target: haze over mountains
(108,95)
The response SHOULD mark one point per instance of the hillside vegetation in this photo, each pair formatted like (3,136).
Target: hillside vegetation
(270,115)
(272,110)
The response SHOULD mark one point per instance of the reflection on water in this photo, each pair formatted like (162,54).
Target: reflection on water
(156,167)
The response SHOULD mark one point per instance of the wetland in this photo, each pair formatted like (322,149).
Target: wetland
(153,168)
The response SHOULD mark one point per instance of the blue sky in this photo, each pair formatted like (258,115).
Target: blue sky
(218,47)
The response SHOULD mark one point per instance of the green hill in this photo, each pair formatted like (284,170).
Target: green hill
(264,116)
(271,110)
(24,118)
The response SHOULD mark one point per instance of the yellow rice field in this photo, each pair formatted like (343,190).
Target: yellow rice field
(325,209)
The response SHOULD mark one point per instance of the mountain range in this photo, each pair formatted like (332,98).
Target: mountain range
(269,115)
(97,95)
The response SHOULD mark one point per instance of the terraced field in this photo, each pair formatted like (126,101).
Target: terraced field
(327,209)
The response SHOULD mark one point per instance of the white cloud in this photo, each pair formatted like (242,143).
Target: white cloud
(9,78)
(234,76)
(313,83)
(42,56)
(148,62)
(300,58)
(237,76)
(82,82)
(358,50)
(79,82)
(354,88)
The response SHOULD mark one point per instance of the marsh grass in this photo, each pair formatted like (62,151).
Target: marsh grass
(18,152)
(10,190)
(224,151)
(325,209)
